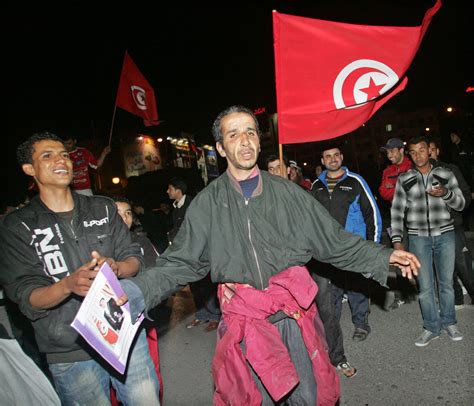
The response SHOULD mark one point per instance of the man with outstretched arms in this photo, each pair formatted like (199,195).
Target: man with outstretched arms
(254,232)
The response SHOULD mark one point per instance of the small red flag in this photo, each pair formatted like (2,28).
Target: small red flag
(135,93)
(332,77)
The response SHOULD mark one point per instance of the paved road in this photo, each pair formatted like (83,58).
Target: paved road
(391,369)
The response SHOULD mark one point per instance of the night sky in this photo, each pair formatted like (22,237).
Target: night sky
(64,62)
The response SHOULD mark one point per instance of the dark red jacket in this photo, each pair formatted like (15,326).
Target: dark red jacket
(390,176)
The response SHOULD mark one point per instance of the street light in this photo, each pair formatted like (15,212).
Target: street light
(449,109)
(116,180)
(427,129)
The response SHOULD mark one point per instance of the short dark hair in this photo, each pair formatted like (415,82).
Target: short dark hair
(179,183)
(216,126)
(328,148)
(136,224)
(418,139)
(274,157)
(121,199)
(24,152)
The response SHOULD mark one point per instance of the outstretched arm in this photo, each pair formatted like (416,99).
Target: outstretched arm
(122,269)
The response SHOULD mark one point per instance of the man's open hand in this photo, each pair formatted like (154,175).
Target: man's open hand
(406,261)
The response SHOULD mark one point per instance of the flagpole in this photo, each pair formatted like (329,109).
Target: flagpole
(112,125)
(280,151)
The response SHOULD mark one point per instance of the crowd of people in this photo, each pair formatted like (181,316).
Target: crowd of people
(269,256)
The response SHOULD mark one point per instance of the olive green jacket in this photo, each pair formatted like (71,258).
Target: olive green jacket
(249,240)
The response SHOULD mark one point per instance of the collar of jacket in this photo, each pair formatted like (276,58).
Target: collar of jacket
(324,175)
(433,166)
(39,205)
(236,185)
(79,210)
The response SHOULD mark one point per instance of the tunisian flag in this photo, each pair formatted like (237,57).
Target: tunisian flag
(332,77)
(135,93)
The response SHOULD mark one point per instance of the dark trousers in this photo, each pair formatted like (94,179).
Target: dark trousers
(404,289)
(305,393)
(462,267)
(327,313)
(205,299)
(357,288)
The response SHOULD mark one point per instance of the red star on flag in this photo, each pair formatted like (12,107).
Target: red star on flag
(372,90)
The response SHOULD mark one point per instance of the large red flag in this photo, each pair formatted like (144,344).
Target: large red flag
(332,77)
(135,93)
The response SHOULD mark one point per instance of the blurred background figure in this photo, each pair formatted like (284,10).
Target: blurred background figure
(82,159)
(296,175)
(272,163)
(124,209)
(204,291)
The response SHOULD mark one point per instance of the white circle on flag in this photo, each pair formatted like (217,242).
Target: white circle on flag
(139,94)
(368,71)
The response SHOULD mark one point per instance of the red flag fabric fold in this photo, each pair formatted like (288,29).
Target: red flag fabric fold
(135,94)
(332,77)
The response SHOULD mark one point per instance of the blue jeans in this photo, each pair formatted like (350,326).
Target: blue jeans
(88,382)
(440,251)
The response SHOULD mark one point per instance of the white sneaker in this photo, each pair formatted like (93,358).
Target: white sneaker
(426,337)
(454,333)
(459,307)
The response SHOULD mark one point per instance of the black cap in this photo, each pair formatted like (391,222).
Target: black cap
(393,143)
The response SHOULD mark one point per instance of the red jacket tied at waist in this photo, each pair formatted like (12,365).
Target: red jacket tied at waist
(245,317)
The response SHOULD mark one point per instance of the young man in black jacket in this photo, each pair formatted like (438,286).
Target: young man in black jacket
(176,191)
(50,251)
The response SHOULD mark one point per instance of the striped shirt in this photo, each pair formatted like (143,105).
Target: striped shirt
(424,215)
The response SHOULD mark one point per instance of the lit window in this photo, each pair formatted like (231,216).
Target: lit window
(388,127)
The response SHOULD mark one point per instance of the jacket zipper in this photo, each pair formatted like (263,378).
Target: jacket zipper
(72,230)
(427,202)
(253,248)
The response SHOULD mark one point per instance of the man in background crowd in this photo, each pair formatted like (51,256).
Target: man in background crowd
(272,163)
(347,197)
(400,163)
(424,199)
(83,160)
(296,175)
(463,258)
(204,291)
